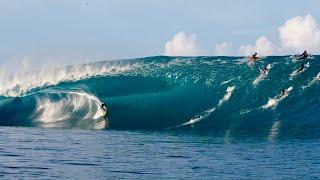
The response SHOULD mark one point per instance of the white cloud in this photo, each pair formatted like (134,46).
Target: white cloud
(223,49)
(263,47)
(295,35)
(300,33)
(181,45)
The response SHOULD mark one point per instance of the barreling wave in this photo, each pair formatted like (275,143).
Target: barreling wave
(221,95)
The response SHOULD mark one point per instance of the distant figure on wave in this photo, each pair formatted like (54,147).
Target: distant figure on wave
(265,70)
(254,57)
(301,68)
(103,108)
(284,92)
(273,102)
(302,56)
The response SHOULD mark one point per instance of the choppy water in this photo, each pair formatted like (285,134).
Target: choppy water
(88,154)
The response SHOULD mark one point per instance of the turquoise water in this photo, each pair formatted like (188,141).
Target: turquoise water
(167,117)
(87,154)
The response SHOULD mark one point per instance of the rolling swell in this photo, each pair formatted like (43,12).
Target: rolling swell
(176,93)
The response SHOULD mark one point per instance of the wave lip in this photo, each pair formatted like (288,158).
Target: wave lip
(72,108)
(19,84)
(58,109)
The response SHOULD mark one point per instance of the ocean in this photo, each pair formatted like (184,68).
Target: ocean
(167,117)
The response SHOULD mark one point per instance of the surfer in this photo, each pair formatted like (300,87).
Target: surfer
(304,55)
(103,107)
(284,92)
(264,70)
(253,57)
(301,68)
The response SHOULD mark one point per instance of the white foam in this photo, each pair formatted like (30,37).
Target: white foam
(20,83)
(259,79)
(199,117)
(226,82)
(273,102)
(314,80)
(80,106)
(297,72)
(227,96)
(261,76)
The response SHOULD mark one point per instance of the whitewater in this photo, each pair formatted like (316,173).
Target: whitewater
(221,95)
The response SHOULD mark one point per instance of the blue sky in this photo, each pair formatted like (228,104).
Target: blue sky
(75,31)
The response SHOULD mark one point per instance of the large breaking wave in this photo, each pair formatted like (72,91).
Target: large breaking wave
(220,95)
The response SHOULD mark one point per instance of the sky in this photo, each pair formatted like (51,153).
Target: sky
(37,33)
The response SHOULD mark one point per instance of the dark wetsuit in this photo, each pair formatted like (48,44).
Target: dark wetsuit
(304,55)
(283,92)
(264,70)
(254,56)
(301,68)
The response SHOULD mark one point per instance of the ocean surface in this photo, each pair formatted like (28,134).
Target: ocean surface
(167,117)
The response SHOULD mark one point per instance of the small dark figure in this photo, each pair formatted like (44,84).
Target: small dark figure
(283,93)
(254,55)
(265,70)
(304,55)
(103,106)
(301,68)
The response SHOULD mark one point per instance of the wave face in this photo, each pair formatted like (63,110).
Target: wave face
(220,95)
